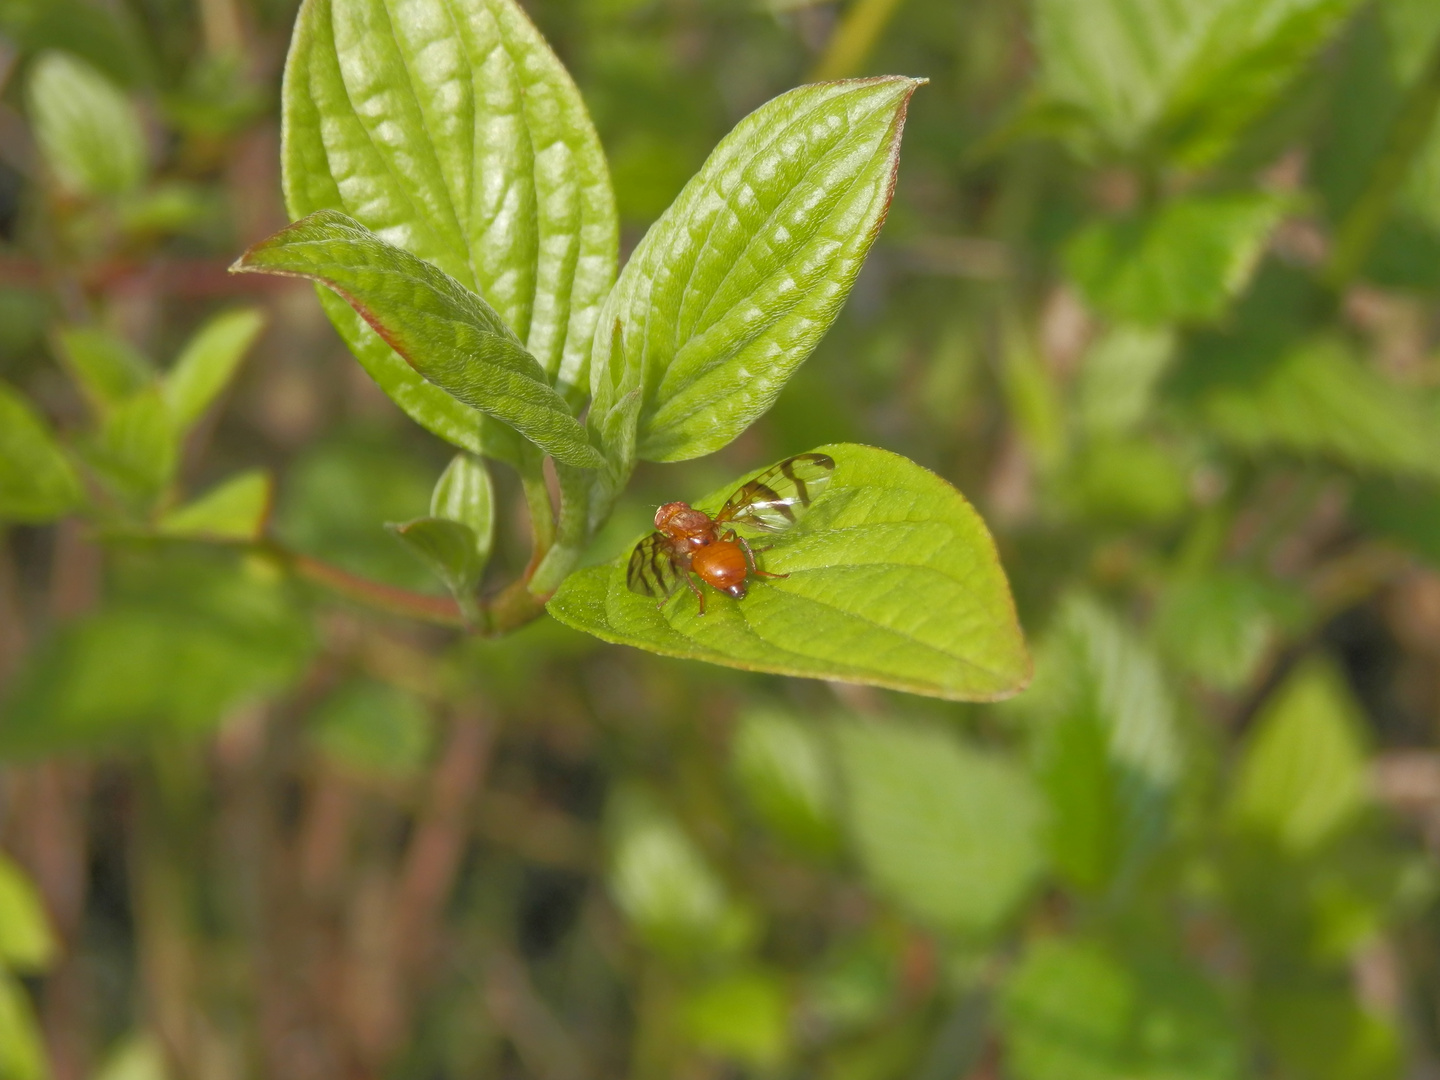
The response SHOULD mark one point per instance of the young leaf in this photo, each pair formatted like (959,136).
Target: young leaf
(949,833)
(449,548)
(455,133)
(1183,263)
(894,581)
(26,940)
(37,483)
(1303,774)
(107,368)
(740,278)
(464,494)
(208,362)
(442,329)
(89,133)
(234,510)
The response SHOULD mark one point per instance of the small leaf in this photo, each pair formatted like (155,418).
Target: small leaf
(464,494)
(1219,626)
(88,131)
(449,548)
(1302,777)
(27,942)
(107,368)
(894,581)
(37,483)
(1119,377)
(442,329)
(455,133)
(1319,401)
(138,1057)
(782,764)
(22,1053)
(949,833)
(236,509)
(1182,263)
(208,362)
(740,278)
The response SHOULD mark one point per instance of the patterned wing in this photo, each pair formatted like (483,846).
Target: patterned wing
(652,570)
(775,499)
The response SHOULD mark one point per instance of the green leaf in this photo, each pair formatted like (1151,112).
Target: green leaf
(1106,742)
(1322,1032)
(949,833)
(1182,263)
(107,368)
(1119,376)
(448,548)
(1219,626)
(1303,774)
(137,448)
(1181,77)
(26,940)
(1319,401)
(665,886)
(454,132)
(236,509)
(138,1057)
(744,1016)
(740,278)
(208,362)
(781,763)
(37,483)
(169,663)
(464,494)
(1074,1011)
(894,581)
(442,329)
(374,729)
(22,1051)
(88,131)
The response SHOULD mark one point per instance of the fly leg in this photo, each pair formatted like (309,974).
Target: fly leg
(750,555)
(699,593)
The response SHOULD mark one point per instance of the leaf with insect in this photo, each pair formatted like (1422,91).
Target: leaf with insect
(893,581)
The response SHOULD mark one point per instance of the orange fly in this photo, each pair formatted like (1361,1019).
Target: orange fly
(689,541)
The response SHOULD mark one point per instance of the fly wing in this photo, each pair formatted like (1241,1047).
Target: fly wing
(652,570)
(775,499)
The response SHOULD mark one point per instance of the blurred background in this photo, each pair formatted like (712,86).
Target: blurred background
(1159,293)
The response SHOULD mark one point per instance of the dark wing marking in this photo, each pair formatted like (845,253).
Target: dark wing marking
(652,570)
(775,499)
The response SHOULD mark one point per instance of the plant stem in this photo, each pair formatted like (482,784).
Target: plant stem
(1361,226)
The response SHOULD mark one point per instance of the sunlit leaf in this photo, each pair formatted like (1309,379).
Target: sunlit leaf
(1119,376)
(1302,776)
(781,763)
(36,481)
(736,283)
(27,942)
(208,362)
(449,335)
(236,509)
(1182,263)
(894,581)
(1219,626)
(949,833)
(88,131)
(450,129)
(138,1057)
